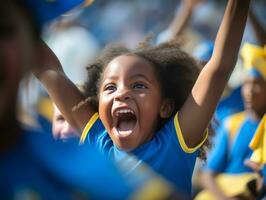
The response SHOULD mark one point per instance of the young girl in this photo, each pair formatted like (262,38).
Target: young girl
(148,101)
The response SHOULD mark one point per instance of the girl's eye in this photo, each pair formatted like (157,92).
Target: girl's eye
(110,87)
(139,86)
(60,118)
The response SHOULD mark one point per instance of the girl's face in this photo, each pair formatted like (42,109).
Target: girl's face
(16,53)
(130,101)
(61,129)
(254,94)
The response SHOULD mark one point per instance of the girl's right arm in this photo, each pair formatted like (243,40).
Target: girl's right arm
(61,90)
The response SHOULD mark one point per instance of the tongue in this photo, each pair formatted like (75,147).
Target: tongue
(126,125)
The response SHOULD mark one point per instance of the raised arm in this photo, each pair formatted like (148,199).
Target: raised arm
(201,103)
(259,30)
(62,91)
(182,18)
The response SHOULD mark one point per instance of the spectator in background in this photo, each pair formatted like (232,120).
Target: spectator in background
(61,129)
(258,160)
(225,175)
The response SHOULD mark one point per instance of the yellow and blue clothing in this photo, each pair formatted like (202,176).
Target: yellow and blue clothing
(258,143)
(231,145)
(229,105)
(166,153)
(230,150)
(37,167)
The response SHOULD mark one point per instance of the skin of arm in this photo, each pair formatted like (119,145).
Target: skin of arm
(182,18)
(260,31)
(62,91)
(211,82)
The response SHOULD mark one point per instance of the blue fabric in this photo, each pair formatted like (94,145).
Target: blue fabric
(203,51)
(163,154)
(44,123)
(40,168)
(229,156)
(253,72)
(233,103)
(46,10)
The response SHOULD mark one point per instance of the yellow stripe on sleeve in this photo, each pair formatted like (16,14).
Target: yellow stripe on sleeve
(88,127)
(181,138)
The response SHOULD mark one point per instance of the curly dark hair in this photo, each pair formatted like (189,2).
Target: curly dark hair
(176,71)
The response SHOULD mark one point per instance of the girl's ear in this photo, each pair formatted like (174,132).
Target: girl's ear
(167,108)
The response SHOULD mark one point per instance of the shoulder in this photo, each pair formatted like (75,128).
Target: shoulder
(173,133)
(92,128)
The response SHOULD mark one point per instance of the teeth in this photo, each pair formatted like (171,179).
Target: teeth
(123,111)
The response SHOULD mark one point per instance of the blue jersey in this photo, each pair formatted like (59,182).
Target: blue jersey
(229,105)
(231,145)
(37,167)
(166,153)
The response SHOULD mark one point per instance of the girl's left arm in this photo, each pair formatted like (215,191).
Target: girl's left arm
(201,103)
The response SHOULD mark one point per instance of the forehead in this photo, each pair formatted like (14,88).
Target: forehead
(255,79)
(129,65)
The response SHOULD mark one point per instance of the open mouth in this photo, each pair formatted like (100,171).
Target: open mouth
(126,122)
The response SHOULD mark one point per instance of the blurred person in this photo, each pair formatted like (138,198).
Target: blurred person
(145,97)
(180,21)
(232,101)
(33,165)
(225,175)
(258,160)
(61,129)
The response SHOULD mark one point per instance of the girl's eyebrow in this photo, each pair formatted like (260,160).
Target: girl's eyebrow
(135,76)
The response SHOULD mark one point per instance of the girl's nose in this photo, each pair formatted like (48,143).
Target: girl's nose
(122,94)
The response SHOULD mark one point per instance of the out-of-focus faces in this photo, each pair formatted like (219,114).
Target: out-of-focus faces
(17,47)
(61,128)
(254,94)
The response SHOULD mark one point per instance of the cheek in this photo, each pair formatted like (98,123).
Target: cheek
(262,94)
(104,106)
(58,126)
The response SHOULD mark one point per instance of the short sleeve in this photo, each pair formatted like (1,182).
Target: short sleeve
(181,138)
(96,135)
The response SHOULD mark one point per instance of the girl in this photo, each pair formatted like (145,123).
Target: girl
(150,102)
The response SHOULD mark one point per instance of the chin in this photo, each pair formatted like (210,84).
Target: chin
(125,146)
